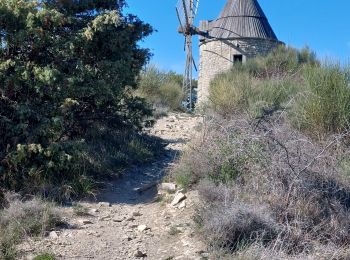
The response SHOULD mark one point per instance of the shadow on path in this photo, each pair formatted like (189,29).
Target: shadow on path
(139,184)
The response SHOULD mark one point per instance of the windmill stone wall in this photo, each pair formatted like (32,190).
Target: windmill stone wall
(217,57)
(241,30)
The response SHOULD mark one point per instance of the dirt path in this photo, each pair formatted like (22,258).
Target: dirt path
(129,223)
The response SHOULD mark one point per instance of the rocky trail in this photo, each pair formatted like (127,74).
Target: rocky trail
(136,217)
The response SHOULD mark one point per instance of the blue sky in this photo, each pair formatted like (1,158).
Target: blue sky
(322,25)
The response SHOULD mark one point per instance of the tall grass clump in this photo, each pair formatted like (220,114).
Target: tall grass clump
(23,219)
(229,92)
(324,103)
(263,83)
(161,89)
(280,62)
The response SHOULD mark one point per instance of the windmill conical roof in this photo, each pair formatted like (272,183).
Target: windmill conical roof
(241,19)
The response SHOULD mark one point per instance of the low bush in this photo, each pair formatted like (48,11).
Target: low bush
(237,224)
(320,252)
(21,219)
(236,86)
(69,170)
(324,106)
(161,89)
(281,62)
(221,159)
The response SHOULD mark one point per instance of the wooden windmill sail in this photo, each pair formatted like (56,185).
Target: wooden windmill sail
(186,11)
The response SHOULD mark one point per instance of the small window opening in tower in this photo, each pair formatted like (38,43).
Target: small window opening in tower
(237,58)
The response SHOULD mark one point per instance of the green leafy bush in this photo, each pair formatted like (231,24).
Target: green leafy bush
(262,83)
(161,89)
(68,72)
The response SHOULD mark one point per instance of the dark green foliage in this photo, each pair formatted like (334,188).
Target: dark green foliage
(67,70)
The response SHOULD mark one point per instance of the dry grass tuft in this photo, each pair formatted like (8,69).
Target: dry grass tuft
(320,252)
(237,224)
(20,219)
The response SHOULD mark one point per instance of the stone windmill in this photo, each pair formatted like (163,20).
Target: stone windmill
(242,31)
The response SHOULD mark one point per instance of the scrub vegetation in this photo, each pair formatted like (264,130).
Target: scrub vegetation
(21,219)
(162,89)
(272,165)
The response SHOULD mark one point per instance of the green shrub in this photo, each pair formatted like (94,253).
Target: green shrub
(183,179)
(236,88)
(171,93)
(324,106)
(140,150)
(51,171)
(221,160)
(268,96)
(280,62)
(161,89)
(45,256)
(246,93)
(270,189)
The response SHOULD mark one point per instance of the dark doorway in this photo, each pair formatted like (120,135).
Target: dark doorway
(237,58)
